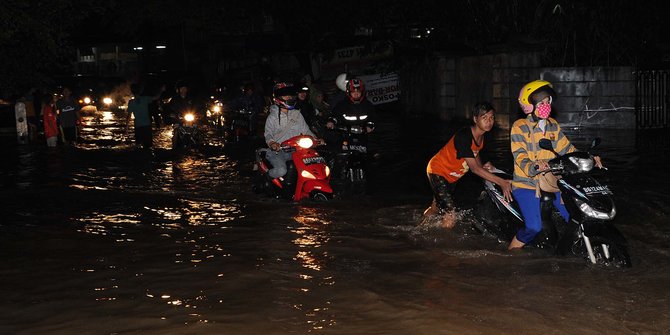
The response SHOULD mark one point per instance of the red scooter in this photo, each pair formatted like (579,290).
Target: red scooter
(307,176)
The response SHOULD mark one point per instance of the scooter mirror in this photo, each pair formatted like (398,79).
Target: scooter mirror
(595,142)
(546,145)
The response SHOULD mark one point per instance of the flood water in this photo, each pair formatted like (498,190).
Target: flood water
(104,238)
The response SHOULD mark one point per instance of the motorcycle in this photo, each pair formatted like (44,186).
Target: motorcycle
(349,159)
(590,232)
(238,125)
(215,113)
(307,174)
(186,133)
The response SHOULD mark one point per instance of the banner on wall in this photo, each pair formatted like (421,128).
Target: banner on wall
(381,89)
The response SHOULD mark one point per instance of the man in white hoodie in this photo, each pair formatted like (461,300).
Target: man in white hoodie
(283,122)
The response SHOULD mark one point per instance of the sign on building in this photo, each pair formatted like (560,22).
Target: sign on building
(381,89)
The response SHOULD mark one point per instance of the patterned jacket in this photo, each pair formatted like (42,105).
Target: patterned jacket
(525,137)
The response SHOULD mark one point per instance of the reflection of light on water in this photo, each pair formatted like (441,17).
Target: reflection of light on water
(107,116)
(311,238)
(99,224)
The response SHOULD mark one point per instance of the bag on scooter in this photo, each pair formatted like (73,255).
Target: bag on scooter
(548,182)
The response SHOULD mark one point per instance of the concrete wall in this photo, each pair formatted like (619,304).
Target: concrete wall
(447,87)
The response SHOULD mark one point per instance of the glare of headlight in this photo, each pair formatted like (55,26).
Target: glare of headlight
(217,109)
(209,113)
(596,214)
(107,100)
(87,100)
(363,117)
(307,174)
(305,142)
(350,118)
(583,164)
(189,117)
(327,171)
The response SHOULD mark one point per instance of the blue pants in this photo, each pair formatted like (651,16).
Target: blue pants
(532,216)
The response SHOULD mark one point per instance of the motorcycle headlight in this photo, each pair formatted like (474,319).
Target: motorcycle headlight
(107,100)
(87,100)
(350,118)
(189,117)
(596,214)
(583,164)
(305,142)
(216,109)
(307,174)
(363,117)
(356,130)
(327,171)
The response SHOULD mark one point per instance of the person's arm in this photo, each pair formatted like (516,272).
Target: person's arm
(563,145)
(270,131)
(477,168)
(519,147)
(304,128)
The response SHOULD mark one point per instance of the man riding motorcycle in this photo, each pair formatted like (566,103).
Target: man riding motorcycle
(356,110)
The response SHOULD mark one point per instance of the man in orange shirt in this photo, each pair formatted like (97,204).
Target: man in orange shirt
(456,158)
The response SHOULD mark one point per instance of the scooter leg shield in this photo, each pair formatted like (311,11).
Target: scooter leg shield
(320,185)
(604,232)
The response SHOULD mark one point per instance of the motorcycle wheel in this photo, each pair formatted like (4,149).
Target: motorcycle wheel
(618,255)
(319,196)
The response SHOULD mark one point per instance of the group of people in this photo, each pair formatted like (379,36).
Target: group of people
(291,113)
(461,154)
(59,113)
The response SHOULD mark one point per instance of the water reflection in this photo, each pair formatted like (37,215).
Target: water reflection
(176,242)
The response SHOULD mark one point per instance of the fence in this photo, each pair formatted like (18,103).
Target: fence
(652,99)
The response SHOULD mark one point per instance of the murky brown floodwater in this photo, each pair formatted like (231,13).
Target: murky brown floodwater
(108,239)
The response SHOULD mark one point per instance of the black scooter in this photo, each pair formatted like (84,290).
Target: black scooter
(590,232)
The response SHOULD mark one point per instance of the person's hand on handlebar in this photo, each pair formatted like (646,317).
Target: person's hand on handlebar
(541,165)
(274,146)
(598,162)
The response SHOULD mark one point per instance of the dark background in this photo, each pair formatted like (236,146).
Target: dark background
(38,39)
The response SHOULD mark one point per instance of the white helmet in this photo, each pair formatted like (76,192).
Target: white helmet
(341,82)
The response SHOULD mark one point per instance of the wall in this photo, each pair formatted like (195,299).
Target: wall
(447,87)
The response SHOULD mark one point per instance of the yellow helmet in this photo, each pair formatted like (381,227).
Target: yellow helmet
(528,97)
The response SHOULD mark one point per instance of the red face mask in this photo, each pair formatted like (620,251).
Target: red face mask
(543,111)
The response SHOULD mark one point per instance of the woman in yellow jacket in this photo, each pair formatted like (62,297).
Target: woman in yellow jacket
(530,160)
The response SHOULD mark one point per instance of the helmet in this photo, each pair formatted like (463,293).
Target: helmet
(341,82)
(355,84)
(283,89)
(534,92)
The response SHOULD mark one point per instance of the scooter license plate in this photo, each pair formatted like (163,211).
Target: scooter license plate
(600,189)
(313,160)
(359,148)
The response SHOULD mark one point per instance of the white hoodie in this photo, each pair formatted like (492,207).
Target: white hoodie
(280,126)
